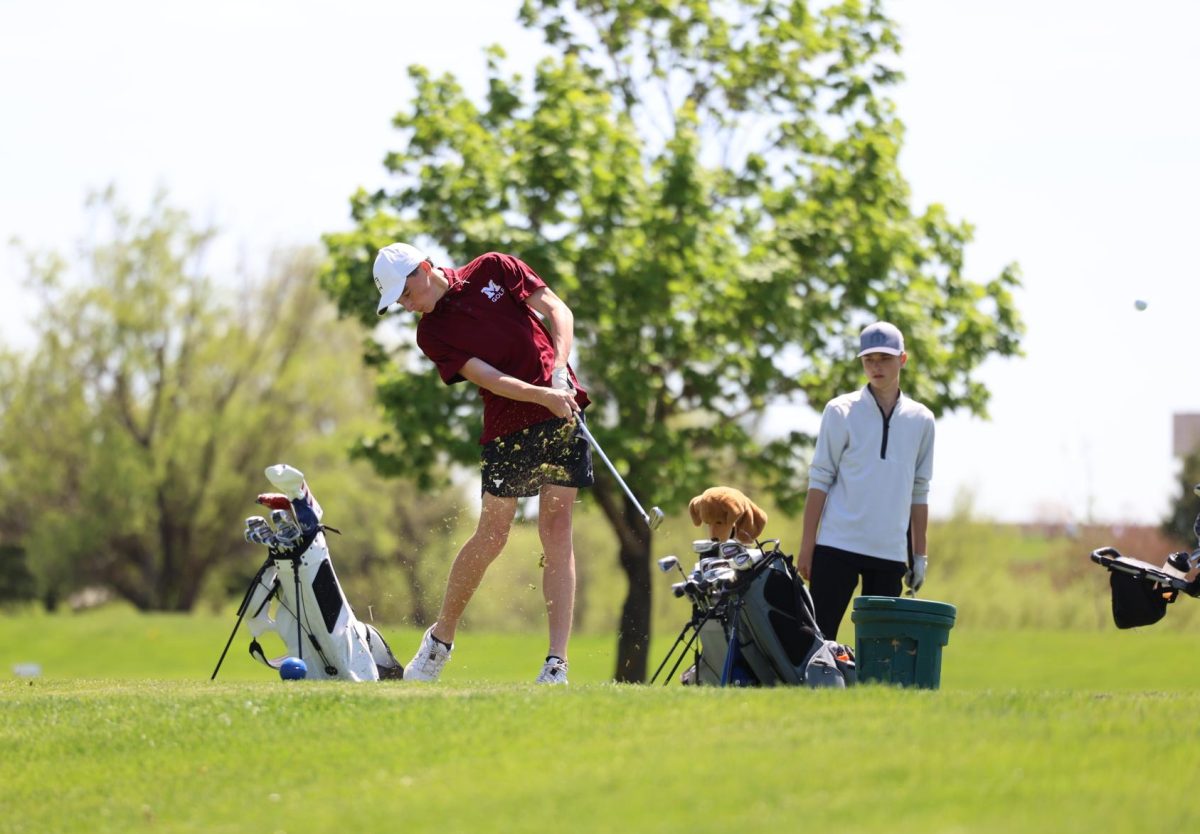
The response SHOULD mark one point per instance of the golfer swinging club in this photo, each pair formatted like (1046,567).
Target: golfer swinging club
(479,323)
(867,511)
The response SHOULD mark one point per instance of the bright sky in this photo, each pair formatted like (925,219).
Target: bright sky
(1066,131)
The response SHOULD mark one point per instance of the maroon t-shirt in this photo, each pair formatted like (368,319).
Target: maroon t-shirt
(484,316)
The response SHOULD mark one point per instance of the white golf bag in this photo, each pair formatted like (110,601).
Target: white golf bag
(296,593)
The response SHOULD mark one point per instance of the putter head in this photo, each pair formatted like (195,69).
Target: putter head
(655,518)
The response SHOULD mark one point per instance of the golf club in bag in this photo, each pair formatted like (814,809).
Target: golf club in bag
(1141,591)
(296,593)
(752,622)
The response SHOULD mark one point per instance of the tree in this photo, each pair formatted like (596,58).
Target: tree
(134,437)
(1181,521)
(16,582)
(714,190)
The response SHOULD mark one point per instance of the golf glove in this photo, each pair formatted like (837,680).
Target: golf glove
(914,577)
(561,379)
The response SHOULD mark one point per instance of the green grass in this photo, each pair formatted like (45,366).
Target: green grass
(1031,731)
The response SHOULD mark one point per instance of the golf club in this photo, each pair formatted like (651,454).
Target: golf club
(287,532)
(667,562)
(258,531)
(655,517)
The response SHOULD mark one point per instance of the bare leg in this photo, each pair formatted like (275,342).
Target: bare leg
(476,554)
(555,506)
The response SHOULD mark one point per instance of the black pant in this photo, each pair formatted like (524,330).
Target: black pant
(835,573)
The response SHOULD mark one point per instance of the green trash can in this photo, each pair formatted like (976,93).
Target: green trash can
(899,641)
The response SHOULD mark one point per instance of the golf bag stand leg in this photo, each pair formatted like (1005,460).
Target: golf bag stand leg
(241,614)
(691,625)
(299,606)
(696,626)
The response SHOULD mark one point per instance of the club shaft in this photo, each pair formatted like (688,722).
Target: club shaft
(588,436)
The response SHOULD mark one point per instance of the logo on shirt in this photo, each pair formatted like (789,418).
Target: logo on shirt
(493,291)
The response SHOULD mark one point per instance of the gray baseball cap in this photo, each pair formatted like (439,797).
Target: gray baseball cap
(881,337)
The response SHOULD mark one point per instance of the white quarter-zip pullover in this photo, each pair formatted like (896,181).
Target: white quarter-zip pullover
(873,468)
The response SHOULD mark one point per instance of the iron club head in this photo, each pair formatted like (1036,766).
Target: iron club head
(666,563)
(655,518)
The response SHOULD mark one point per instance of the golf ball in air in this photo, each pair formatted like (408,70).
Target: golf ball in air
(1141,305)
(293,669)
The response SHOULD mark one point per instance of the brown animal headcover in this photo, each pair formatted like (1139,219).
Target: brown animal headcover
(728,513)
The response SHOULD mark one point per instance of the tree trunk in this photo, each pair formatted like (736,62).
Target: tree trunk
(633,639)
(410,564)
(633,636)
(418,611)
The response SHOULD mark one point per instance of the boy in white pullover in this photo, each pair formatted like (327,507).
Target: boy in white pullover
(868,487)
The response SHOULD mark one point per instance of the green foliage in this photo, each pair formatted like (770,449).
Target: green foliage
(1181,521)
(16,582)
(694,280)
(135,432)
(716,194)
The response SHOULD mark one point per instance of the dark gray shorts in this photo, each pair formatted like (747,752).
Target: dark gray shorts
(552,453)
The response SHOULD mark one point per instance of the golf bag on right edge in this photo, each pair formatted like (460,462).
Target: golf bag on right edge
(1142,591)
(753,622)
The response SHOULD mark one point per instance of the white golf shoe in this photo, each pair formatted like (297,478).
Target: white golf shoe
(427,663)
(554,671)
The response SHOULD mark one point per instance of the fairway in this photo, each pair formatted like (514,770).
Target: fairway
(1030,732)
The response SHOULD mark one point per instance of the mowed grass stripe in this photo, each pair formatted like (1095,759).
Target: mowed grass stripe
(118,643)
(177,756)
(1031,731)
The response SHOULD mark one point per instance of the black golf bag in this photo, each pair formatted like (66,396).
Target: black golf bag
(1141,591)
(753,623)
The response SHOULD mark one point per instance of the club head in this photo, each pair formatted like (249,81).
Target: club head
(258,531)
(655,518)
(274,500)
(667,563)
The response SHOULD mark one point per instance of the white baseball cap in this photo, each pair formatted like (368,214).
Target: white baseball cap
(881,337)
(393,265)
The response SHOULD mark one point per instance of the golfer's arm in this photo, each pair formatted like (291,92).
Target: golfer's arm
(920,527)
(814,506)
(562,322)
(501,384)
